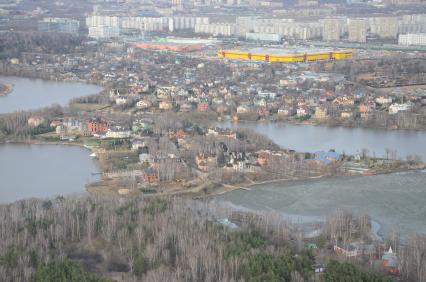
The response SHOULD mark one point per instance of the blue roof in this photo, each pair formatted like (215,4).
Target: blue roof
(326,157)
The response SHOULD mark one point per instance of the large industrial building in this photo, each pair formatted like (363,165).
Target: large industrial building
(285,55)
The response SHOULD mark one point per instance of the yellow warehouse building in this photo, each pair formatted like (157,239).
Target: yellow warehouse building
(285,55)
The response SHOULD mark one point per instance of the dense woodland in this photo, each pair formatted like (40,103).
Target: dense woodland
(157,239)
(13,44)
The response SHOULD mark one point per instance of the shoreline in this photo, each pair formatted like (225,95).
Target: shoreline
(220,188)
(57,79)
(226,188)
(318,123)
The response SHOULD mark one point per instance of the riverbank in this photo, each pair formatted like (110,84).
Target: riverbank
(324,123)
(5,89)
(248,186)
(202,187)
(30,95)
(40,76)
(199,188)
(226,188)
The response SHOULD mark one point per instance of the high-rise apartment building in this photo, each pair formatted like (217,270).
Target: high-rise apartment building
(417,39)
(384,27)
(96,20)
(357,30)
(177,4)
(103,32)
(186,22)
(331,29)
(224,29)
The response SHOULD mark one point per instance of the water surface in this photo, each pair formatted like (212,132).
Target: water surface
(43,171)
(30,94)
(311,138)
(396,201)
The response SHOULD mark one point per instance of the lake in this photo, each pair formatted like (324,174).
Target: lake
(30,94)
(396,201)
(311,138)
(44,171)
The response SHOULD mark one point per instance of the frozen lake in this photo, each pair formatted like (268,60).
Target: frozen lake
(396,201)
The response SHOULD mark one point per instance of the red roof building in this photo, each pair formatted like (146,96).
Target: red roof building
(97,126)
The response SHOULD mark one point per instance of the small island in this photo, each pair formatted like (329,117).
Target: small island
(5,88)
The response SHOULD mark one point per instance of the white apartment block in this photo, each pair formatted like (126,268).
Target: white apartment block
(180,23)
(412,24)
(95,20)
(289,29)
(103,32)
(417,39)
(144,23)
(332,28)
(384,27)
(357,30)
(224,29)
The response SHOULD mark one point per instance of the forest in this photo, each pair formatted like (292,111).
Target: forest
(86,238)
(12,44)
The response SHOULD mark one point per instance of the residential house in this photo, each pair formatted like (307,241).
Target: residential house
(390,262)
(146,158)
(242,109)
(355,249)
(286,111)
(266,94)
(73,125)
(325,158)
(396,108)
(35,121)
(165,105)
(150,175)
(365,108)
(382,100)
(97,126)
(346,114)
(303,111)
(344,101)
(205,162)
(185,107)
(321,113)
(216,131)
(263,157)
(121,100)
(118,132)
(138,144)
(55,123)
(203,107)
(238,161)
(143,104)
